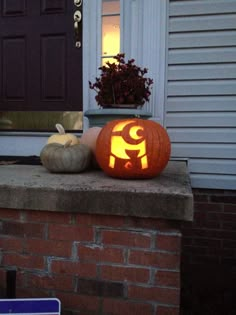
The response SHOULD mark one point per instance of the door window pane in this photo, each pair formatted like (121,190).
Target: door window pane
(40,121)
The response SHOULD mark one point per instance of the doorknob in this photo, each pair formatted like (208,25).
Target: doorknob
(78,42)
(77,19)
(77,3)
(77,16)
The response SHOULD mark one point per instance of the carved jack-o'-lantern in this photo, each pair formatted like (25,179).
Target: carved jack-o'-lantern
(133,148)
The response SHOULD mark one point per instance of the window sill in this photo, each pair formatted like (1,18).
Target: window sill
(168,196)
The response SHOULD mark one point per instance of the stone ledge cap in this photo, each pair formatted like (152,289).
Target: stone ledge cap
(167,196)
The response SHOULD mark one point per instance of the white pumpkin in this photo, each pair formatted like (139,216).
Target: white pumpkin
(62,137)
(59,158)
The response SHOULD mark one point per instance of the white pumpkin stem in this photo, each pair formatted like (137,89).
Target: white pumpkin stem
(60,129)
(68,143)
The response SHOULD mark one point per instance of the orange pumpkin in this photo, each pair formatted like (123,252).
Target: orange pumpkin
(89,137)
(133,148)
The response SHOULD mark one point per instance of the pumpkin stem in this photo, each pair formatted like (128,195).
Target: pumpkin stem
(60,129)
(68,143)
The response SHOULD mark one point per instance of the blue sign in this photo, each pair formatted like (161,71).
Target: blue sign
(30,306)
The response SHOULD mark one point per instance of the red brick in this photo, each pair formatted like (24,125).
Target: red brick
(221,234)
(125,307)
(206,259)
(153,224)
(154,259)
(199,191)
(70,232)
(32,293)
(78,302)
(96,253)
(195,250)
(194,232)
(204,242)
(224,199)
(222,216)
(169,242)
(48,247)
(210,233)
(230,208)
(200,218)
(20,278)
(187,241)
(67,312)
(229,244)
(100,220)
(201,198)
(124,273)
(48,216)
(221,252)
(167,278)
(164,310)
(157,294)
(11,244)
(23,261)
(229,225)
(204,206)
(213,225)
(21,229)
(86,270)
(10,214)
(126,238)
(62,283)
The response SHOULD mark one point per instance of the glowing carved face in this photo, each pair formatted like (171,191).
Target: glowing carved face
(131,140)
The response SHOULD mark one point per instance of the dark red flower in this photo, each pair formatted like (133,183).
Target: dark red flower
(122,82)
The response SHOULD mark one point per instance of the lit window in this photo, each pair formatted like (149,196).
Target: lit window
(110,29)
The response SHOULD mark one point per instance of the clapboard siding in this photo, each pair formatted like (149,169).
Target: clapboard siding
(201,119)
(202,39)
(202,23)
(201,7)
(202,55)
(204,150)
(201,89)
(213,181)
(213,87)
(202,135)
(201,103)
(212,166)
(201,72)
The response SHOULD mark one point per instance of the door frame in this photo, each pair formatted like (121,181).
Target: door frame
(138,41)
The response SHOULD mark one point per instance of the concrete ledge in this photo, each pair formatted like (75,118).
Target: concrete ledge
(167,196)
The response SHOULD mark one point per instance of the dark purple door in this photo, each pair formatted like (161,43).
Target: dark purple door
(40,65)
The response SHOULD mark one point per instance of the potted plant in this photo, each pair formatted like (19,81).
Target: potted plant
(121,89)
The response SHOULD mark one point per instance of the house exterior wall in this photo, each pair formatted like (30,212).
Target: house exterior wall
(101,245)
(95,264)
(209,256)
(201,89)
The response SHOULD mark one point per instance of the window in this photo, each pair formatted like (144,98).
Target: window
(110,29)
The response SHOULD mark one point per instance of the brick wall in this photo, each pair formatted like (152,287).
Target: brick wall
(94,264)
(209,255)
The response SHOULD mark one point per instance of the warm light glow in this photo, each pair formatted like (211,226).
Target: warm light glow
(110,30)
(120,146)
(134,132)
(111,38)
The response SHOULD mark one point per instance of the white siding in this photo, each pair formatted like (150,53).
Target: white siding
(201,89)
